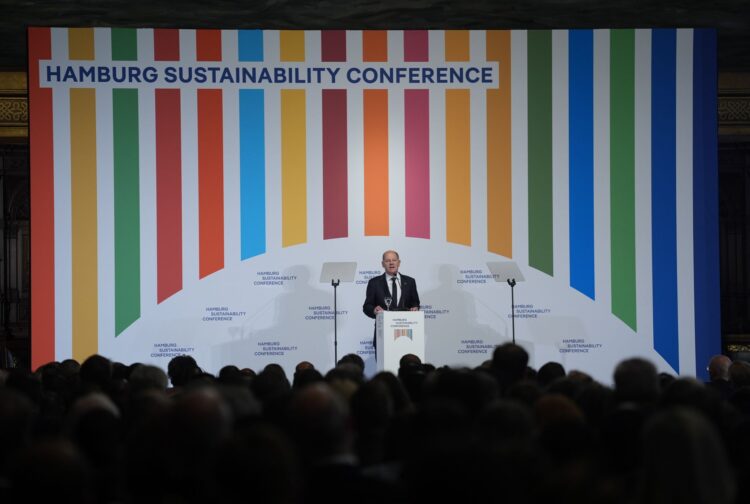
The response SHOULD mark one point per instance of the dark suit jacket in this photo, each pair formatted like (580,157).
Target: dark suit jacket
(378,288)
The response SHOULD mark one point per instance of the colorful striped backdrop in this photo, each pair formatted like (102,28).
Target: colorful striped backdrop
(591,163)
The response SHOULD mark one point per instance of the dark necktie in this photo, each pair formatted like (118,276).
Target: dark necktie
(394,292)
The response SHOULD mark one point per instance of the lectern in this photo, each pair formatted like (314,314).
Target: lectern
(398,333)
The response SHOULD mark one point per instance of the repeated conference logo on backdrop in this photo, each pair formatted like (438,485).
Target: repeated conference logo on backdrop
(161,158)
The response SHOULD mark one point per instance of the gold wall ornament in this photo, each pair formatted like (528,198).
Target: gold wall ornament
(14,107)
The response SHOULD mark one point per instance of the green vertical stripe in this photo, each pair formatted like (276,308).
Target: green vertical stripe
(622,173)
(124,44)
(127,208)
(540,150)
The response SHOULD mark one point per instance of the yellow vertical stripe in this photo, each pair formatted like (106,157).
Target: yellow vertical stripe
(499,198)
(81,43)
(293,168)
(457,147)
(84,222)
(292,45)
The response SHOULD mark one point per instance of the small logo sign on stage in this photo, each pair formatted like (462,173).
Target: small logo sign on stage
(433,312)
(272,279)
(475,346)
(170,350)
(274,349)
(474,276)
(578,345)
(406,333)
(323,312)
(364,276)
(221,314)
(530,311)
(365,348)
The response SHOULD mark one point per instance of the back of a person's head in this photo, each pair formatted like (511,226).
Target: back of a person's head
(549,372)
(352,358)
(684,461)
(262,458)
(718,367)
(270,384)
(16,418)
(509,363)
(739,374)
(147,377)
(96,371)
(181,369)
(474,389)
(345,379)
(231,375)
(318,419)
(52,471)
(409,359)
(306,376)
(636,380)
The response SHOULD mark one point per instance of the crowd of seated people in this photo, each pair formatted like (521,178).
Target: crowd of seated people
(105,432)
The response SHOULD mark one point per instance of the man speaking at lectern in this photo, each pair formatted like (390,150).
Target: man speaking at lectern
(391,290)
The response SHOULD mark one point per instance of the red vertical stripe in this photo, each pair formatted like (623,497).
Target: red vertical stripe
(168,193)
(333,45)
(415,45)
(208,45)
(335,190)
(43,208)
(168,173)
(210,181)
(166,44)
(335,205)
(210,162)
(417,142)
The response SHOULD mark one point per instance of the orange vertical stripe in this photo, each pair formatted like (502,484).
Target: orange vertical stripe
(457,45)
(375,45)
(375,119)
(457,147)
(499,178)
(458,166)
(84,222)
(375,108)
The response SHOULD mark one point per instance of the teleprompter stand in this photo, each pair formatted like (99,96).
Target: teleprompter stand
(335,273)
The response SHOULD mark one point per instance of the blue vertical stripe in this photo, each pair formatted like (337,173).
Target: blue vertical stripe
(664,195)
(252,154)
(250,44)
(705,201)
(581,173)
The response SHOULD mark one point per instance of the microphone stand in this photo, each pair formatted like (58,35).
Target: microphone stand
(512,283)
(335,284)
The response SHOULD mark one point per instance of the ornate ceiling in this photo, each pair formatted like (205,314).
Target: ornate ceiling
(730,17)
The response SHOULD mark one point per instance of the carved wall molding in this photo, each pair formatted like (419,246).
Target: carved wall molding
(733,105)
(14,107)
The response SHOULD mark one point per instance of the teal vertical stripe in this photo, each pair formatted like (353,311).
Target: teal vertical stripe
(622,174)
(126,190)
(252,154)
(540,150)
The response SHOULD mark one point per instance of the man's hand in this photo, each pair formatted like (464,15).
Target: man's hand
(414,308)
(378,309)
